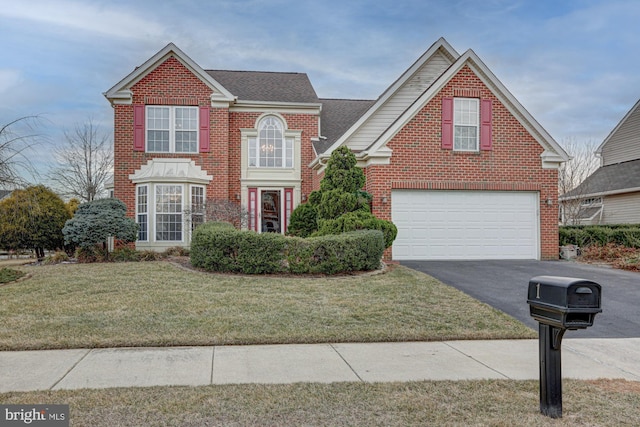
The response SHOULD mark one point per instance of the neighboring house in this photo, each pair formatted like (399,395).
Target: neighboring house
(611,195)
(451,157)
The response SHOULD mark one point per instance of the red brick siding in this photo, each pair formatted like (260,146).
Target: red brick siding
(170,83)
(173,84)
(514,163)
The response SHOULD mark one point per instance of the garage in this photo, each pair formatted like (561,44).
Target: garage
(436,225)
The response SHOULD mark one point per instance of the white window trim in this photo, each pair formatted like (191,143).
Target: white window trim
(146,214)
(287,139)
(181,213)
(172,129)
(591,201)
(477,125)
(204,201)
(151,214)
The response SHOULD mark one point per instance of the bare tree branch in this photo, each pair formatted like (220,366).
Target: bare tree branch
(85,163)
(573,173)
(16,139)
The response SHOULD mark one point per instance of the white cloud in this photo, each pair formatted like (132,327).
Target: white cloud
(571,64)
(73,16)
(9,78)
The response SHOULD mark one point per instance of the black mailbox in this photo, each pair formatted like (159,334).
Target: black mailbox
(564,302)
(558,304)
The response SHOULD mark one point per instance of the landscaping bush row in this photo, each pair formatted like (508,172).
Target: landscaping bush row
(220,247)
(122,254)
(612,226)
(625,235)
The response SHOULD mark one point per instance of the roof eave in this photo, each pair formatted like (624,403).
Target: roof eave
(615,129)
(601,194)
(315,106)
(115,94)
(440,45)
(551,158)
(514,106)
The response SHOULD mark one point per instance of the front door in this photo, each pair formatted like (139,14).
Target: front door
(271,209)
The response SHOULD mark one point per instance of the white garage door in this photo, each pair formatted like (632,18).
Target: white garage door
(465,225)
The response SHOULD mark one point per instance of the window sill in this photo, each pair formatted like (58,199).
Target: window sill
(467,153)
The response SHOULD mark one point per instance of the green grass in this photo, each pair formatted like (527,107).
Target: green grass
(157,303)
(160,304)
(9,275)
(445,403)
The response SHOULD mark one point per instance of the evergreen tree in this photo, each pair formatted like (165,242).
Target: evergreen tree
(33,218)
(94,222)
(340,205)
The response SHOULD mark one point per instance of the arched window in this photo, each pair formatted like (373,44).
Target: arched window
(271,149)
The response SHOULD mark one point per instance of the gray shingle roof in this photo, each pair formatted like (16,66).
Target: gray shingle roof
(267,86)
(585,213)
(621,176)
(337,117)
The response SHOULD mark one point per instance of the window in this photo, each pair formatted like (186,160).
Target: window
(168,204)
(172,129)
(271,149)
(197,206)
(142,213)
(592,201)
(465,124)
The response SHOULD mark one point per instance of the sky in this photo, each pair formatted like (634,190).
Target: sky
(573,64)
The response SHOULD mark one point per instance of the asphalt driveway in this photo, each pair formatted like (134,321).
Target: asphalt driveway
(504,284)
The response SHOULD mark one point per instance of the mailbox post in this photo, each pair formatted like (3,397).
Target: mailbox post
(558,304)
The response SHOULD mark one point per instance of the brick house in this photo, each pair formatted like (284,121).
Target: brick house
(451,157)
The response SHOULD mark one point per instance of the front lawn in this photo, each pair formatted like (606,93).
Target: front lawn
(424,403)
(160,304)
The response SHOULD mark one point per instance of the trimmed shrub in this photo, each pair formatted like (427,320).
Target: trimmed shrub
(359,220)
(125,254)
(223,249)
(303,221)
(341,204)
(89,254)
(216,247)
(353,251)
(583,236)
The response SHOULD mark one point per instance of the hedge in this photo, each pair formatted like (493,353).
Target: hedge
(585,235)
(216,247)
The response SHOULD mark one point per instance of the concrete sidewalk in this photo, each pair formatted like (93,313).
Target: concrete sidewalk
(276,364)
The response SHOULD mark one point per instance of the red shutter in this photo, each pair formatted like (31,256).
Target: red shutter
(447,123)
(252,208)
(138,128)
(204,130)
(288,206)
(485,124)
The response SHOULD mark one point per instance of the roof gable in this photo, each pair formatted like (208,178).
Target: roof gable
(440,47)
(121,93)
(551,157)
(623,142)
